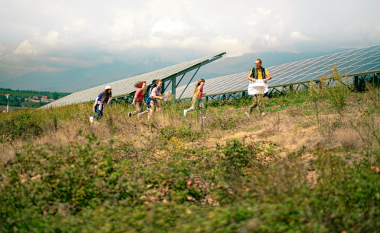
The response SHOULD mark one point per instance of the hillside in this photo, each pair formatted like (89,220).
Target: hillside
(311,164)
(30,93)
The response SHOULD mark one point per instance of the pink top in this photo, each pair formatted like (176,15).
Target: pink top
(200,91)
(155,92)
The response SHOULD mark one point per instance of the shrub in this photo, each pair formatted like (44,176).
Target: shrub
(20,126)
(182,132)
(237,157)
(338,93)
(222,123)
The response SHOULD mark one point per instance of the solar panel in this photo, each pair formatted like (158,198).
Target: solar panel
(355,61)
(369,54)
(363,68)
(346,64)
(368,60)
(126,86)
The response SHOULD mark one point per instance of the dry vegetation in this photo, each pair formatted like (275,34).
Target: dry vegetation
(309,165)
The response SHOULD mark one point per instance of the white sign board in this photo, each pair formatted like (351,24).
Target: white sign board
(258,87)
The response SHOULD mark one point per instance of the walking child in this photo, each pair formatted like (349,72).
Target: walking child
(197,98)
(100,103)
(138,99)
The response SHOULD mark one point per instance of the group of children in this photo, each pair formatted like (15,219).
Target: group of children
(150,94)
(147,95)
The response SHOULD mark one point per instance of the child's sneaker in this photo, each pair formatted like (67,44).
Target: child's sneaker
(129,114)
(184,112)
(91,119)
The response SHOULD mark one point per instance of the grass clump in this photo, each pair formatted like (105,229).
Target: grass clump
(338,93)
(168,132)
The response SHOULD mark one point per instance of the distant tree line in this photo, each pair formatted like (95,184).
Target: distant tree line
(26,93)
(12,102)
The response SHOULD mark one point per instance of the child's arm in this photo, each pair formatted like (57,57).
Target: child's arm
(96,101)
(134,98)
(156,95)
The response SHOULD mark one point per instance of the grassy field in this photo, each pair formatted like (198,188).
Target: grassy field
(11,108)
(23,106)
(311,164)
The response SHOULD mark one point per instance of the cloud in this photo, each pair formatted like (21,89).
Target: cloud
(51,38)
(269,40)
(297,36)
(67,35)
(2,49)
(263,11)
(168,25)
(25,48)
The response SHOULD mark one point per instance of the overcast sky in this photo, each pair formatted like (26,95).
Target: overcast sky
(39,35)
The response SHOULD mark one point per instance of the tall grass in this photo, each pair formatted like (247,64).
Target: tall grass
(315,94)
(338,92)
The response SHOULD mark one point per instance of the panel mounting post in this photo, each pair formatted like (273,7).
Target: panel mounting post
(356,82)
(174,86)
(189,82)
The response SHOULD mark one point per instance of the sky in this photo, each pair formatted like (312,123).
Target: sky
(49,36)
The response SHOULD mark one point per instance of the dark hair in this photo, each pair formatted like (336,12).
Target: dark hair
(259,60)
(156,81)
(106,96)
(139,84)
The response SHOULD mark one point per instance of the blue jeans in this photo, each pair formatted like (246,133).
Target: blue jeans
(98,114)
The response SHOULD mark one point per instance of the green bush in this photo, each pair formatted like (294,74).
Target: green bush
(182,132)
(237,156)
(20,126)
(223,123)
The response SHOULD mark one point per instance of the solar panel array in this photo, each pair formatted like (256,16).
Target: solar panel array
(355,61)
(126,86)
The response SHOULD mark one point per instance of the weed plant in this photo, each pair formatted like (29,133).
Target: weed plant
(338,92)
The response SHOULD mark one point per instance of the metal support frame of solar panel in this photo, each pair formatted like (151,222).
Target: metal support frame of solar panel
(126,86)
(280,87)
(282,76)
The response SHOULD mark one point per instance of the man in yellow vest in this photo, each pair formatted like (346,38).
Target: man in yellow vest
(258,72)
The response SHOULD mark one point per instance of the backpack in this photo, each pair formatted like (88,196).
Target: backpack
(146,92)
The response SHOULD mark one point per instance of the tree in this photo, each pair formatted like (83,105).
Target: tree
(3,99)
(55,95)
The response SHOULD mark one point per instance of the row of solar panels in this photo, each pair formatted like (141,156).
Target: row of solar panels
(126,86)
(354,61)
